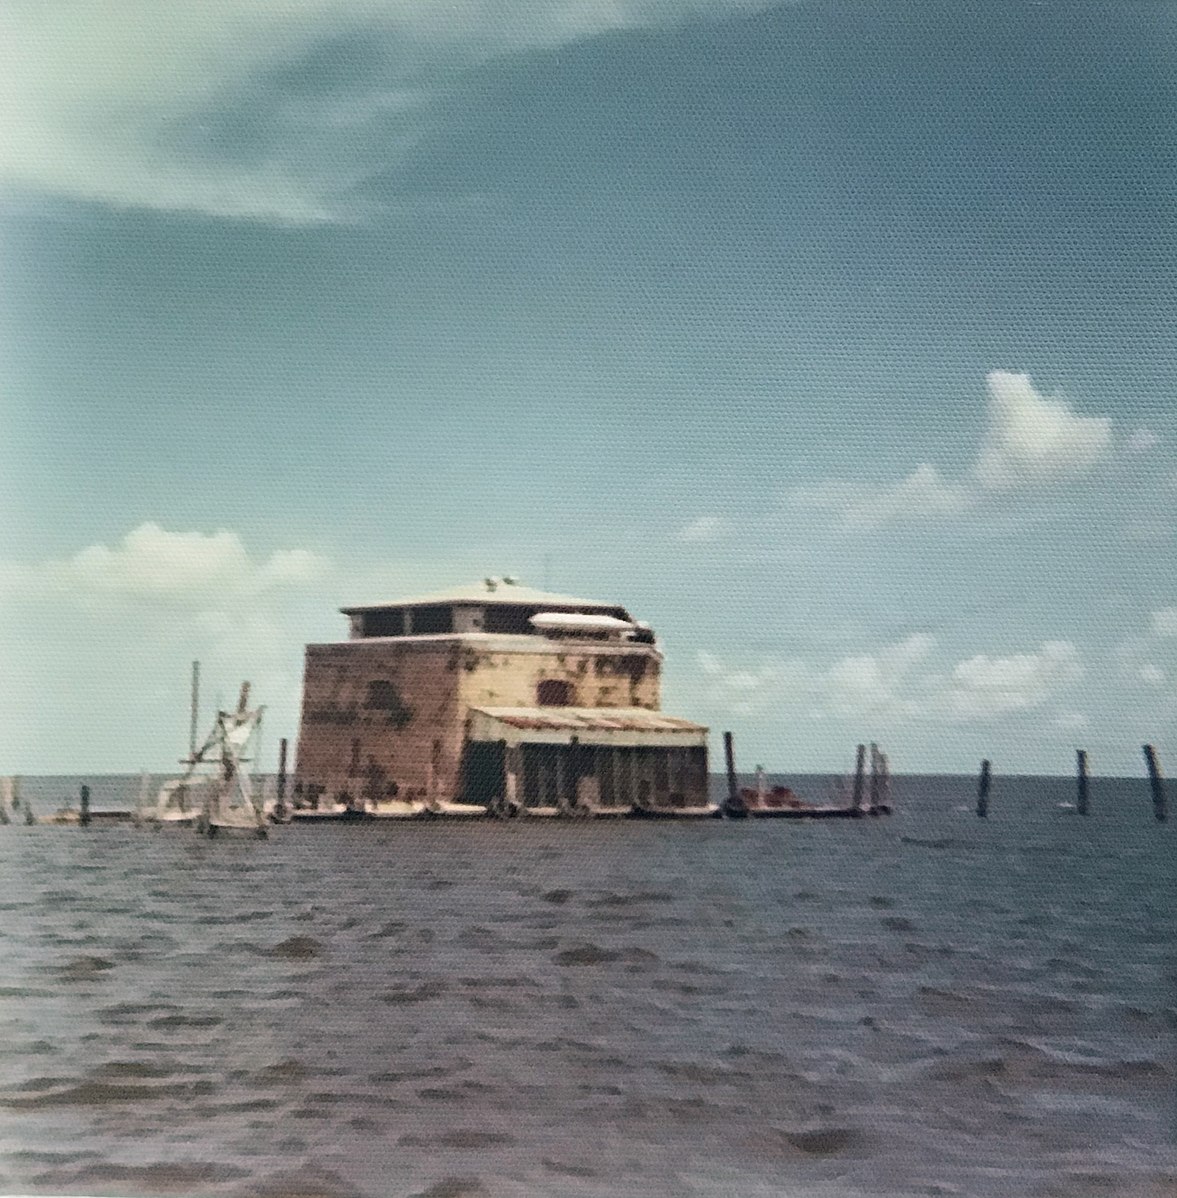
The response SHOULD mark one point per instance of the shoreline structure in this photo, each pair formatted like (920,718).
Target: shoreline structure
(493,698)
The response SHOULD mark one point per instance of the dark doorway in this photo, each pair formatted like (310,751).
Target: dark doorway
(483,767)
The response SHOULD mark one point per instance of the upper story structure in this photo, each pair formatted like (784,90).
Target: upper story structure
(497,606)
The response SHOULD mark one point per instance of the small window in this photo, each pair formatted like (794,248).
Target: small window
(432,620)
(554,692)
(387,621)
(508,618)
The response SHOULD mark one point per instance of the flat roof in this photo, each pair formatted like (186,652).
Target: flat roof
(481,592)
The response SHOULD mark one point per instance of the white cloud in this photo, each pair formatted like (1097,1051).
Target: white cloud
(1152,674)
(103,100)
(1164,621)
(985,686)
(1071,720)
(874,684)
(923,494)
(709,663)
(1141,441)
(1034,439)
(185,568)
(1148,531)
(897,683)
(705,528)
(1028,440)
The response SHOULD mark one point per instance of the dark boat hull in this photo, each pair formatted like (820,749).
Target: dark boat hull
(640,812)
(351,816)
(805,813)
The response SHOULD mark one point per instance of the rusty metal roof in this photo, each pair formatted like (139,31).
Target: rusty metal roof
(600,719)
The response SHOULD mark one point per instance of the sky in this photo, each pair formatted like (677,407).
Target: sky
(834,339)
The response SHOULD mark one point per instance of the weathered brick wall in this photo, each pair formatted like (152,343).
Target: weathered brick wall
(604,677)
(379,713)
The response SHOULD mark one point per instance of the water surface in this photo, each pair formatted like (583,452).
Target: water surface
(930,1004)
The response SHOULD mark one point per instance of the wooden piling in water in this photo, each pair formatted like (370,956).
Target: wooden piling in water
(860,779)
(1081,798)
(85,806)
(983,791)
(282,772)
(875,779)
(195,710)
(885,804)
(1156,782)
(735,804)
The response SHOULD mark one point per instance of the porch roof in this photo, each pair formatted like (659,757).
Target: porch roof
(620,726)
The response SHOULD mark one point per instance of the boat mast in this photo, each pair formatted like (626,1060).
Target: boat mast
(195,711)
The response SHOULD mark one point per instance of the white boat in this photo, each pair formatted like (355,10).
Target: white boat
(178,802)
(452,809)
(215,792)
(328,813)
(423,809)
(233,802)
(9,799)
(395,809)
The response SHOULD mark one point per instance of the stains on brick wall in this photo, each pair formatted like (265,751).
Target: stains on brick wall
(371,714)
(594,677)
(384,698)
(389,717)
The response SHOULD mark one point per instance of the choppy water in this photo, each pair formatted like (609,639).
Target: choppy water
(929,1004)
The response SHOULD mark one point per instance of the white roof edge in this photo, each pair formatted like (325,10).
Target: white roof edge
(530,642)
(480,593)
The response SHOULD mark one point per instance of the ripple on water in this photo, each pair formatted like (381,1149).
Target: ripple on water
(82,969)
(163,1177)
(307,1181)
(282,1073)
(182,1019)
(630,900)
(587,954)
(460,1138)
(423,992)
(933,1000)
(897,923)
(391,929)
(453,1187)
(144,1069)
(813,1142)
(97,1092)
(297,948)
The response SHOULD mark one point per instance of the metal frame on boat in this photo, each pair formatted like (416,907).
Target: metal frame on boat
(216,793)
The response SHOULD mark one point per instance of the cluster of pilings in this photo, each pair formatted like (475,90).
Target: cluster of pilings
(1156,782)
(879,800)
(871,794)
